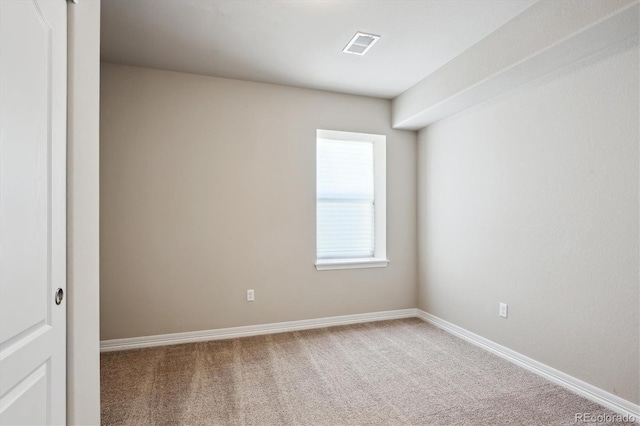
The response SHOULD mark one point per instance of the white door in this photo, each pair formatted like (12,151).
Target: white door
(33,62)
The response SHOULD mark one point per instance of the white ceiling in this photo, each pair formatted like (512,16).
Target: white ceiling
(299,43)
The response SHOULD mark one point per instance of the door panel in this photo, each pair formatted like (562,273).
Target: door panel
(32,211)
(19,401)
(25,169)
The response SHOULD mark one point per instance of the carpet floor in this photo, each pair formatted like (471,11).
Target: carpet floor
(400,372)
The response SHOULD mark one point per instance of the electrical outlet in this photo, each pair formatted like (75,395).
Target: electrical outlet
(503,310)
(250,295)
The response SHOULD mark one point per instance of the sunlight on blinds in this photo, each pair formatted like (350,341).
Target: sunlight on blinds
(345,199)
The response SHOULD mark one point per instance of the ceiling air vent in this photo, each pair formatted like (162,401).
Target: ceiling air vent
(360,43)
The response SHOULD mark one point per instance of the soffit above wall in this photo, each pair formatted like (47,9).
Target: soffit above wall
(546,37)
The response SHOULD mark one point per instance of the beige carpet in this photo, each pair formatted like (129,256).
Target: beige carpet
(402,372)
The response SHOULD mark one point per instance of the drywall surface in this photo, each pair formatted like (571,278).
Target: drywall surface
(83,225)
(532,200)
(208,189)
(543,38)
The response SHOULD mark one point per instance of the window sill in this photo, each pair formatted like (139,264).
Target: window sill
(329,264)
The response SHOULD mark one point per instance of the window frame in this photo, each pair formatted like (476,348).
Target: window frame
(379,258)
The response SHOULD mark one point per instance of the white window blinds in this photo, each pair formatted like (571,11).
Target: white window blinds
(345,199)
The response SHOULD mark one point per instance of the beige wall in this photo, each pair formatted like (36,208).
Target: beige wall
(83,332)
(208,189)
(532,200)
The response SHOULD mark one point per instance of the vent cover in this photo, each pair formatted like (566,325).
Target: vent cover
(360,43)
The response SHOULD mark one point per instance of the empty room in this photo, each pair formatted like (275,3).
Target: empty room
(308,207)
(290,212)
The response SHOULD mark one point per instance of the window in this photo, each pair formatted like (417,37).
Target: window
(350,200)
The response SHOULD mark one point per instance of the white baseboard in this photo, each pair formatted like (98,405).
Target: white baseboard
(592,393)
(249,330)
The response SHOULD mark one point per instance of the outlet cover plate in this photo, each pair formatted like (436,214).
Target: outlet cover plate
(503,310)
